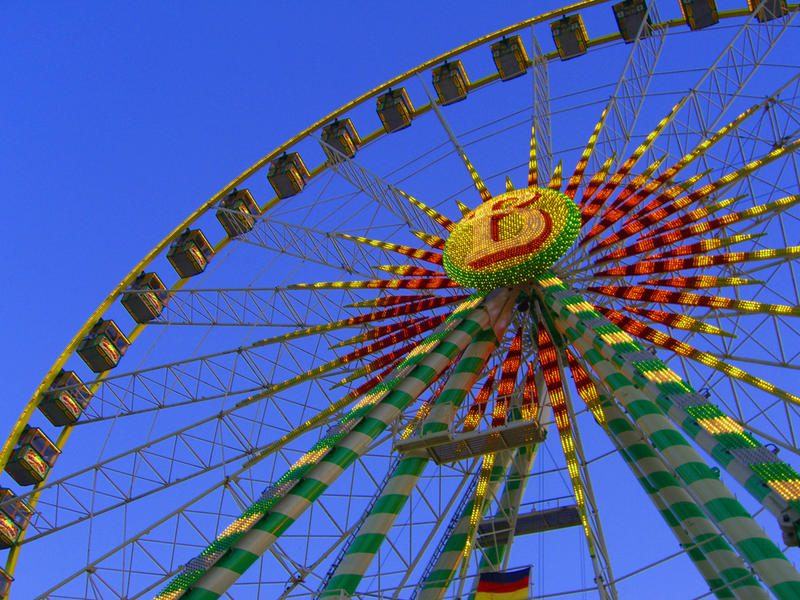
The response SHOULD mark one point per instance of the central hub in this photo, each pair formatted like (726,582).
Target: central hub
(511,238)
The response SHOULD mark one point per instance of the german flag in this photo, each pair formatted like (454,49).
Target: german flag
(504,585)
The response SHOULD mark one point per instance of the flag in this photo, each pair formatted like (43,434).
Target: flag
(503,585)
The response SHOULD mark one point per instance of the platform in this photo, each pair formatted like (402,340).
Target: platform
(447,447)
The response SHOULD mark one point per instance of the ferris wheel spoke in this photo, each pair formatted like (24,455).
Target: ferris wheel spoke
(626,102)
(480,186)
(540,164)
(551,361)
(110,563)
(722,83)
(202,441)
(242,370)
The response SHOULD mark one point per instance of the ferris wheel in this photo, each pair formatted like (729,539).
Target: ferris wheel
(554,340)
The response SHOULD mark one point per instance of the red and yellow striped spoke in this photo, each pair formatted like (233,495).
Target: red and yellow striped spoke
(695,262)
(434,241)
(693,216)
(644,218)
(388,360)
(665,239)
(465,210)
(476,179)
(596,181)
(735,217)
(662,340)
(409,271)
(586,389)
(533,167)
(417,304)
(640,294)
(591,209)
(635,185)
(580,168)
(607,218)
(434,215)
(548,360)
(415,299)
(623,209)
(700,282)
(393,338)
(555,179)
(677,321)
(508,381)
(478,408)
(630,227)
(728,219)
(377,332)
(530,395)
(426,255)
(429,283)
(704,246)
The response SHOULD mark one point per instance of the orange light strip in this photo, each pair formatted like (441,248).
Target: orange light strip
(434,241)
(400,299)
(555,180)
(410,271)
(642,221)
(586,388)
(552,375)
(435,216)
(478,408)
(693,216)
(530,396)
(633,186)
(430,283)
(377,332)
(593,207)
(699,282)
(676,321)
(620,210)
(704,246)
(508,380)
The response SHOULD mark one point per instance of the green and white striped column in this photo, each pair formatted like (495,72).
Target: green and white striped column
(401,484)
(447,563)
(571,316)
(674,505)
(771,481)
